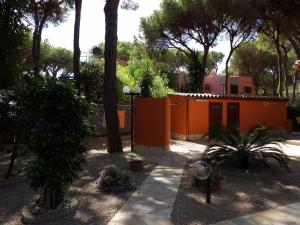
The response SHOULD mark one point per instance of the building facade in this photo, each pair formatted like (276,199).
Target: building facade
(238,84)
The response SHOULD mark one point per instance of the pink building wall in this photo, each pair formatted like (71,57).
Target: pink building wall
(215,84)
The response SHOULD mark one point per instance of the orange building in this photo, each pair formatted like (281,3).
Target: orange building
(195,115)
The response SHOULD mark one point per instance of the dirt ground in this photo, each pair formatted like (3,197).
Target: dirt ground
(241,194)
(94,208)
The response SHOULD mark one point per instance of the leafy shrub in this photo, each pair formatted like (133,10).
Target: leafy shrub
(140,71)
(92,79)
(7,112)
(259,144)
(54,126)
(112,180)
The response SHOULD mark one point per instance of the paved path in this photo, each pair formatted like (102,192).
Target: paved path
(284,215)
(294,139)
(152,203)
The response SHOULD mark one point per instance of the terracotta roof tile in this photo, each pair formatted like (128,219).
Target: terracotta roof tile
(223,96)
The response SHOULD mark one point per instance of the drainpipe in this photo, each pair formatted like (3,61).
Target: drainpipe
(187,119)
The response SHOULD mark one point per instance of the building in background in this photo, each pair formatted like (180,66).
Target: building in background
(238,84)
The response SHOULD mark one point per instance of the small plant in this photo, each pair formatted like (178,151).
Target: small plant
(259,144)
(112,181)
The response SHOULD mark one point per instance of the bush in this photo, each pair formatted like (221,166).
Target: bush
(92,79)
(259,145)
(7,112)
(54,126)
(111,180)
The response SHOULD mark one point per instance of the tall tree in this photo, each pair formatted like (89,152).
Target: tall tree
(178,24)
(76,56)
(286,49)
(258,63)
(214,60)
(239,26)
(57,61)
(114,143)
(43,12)
(273,33)
(13,35)
(286,14)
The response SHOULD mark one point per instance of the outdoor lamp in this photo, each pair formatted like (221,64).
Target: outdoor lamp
(137,91)
(126,90)
(202,170)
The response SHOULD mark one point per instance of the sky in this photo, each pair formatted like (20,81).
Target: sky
(93,27)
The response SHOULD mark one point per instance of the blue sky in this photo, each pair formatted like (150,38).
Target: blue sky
(93,27)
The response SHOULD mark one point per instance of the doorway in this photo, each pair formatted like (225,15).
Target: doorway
(215,117)
(233,114)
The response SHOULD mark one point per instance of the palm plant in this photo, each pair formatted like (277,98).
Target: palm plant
(259,144)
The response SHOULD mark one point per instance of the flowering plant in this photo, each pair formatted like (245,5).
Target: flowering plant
(112,181)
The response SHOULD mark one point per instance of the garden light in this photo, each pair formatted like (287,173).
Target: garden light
(203,171)
(137,91)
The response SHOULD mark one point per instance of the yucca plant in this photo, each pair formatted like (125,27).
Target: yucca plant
(259,144)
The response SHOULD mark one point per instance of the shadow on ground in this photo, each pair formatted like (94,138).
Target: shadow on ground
(241,194)
(93,208)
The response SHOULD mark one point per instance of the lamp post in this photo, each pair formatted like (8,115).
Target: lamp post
(132,94)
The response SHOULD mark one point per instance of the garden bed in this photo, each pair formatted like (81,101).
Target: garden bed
(241,194)
(94,207)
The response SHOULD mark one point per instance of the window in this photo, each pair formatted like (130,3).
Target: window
(248,90)
(234,89)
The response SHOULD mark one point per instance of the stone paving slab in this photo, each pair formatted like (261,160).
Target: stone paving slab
(152,203)
(284,215)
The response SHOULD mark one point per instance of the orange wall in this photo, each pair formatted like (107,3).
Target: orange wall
(121,115)
(198,116)
(266,113)
(178,114)
(152,121)
(252,112)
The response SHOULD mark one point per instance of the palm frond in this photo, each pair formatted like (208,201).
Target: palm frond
(259,143)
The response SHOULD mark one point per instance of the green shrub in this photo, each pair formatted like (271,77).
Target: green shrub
(259,145)
(7,112)
(112,180)
(54,126)
(92,79)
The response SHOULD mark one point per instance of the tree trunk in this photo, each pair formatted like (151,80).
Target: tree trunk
(114,143)
(275,84)
(35,56)
(280,74)
(291,39)
(227,76)
(294,87)
(202,69)
(13,156)
(286,73)
(76,55)
(53,196)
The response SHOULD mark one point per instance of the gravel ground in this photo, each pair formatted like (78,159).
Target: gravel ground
(241,194)
(94,207)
